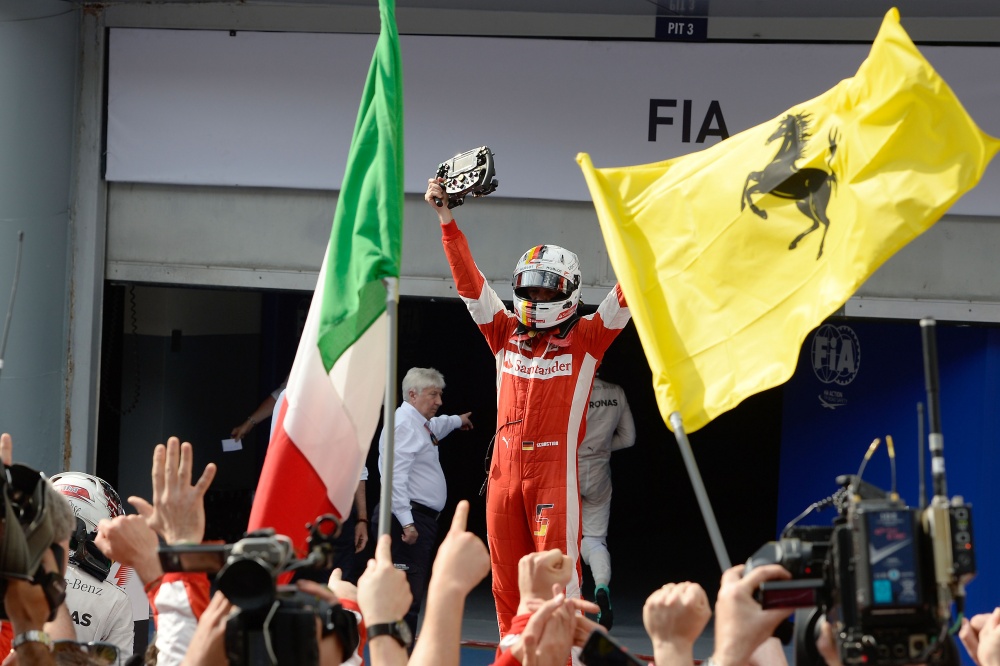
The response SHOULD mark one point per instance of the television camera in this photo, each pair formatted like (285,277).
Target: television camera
(275,624)
(884,574)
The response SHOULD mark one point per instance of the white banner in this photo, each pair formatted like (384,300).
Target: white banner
(267,109)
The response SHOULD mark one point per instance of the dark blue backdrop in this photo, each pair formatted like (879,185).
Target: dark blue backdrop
(874,380)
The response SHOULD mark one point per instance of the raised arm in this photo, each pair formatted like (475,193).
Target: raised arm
(462,562)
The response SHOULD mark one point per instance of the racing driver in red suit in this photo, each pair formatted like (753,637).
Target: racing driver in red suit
(546,357)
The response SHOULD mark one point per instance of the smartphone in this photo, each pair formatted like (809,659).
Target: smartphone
(602,650)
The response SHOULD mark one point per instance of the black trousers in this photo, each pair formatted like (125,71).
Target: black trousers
(415,559)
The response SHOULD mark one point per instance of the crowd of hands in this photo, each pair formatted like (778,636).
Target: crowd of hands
(674,615)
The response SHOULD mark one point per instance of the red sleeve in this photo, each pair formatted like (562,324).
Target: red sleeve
(362,631)
(195,585)
(6,637)
(495,321)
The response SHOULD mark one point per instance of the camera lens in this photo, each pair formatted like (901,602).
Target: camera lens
(247,583)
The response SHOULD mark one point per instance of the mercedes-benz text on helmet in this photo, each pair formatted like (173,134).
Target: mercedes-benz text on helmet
(546,267)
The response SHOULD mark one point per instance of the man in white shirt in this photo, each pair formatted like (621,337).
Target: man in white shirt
(419,489)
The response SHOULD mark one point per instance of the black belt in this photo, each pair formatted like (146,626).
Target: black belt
(417,507)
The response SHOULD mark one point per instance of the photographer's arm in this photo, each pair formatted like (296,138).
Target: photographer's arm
(740,622)
(462,562)
(208,644)
(27,608)
(384,596)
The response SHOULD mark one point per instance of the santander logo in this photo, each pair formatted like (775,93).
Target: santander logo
(537,368)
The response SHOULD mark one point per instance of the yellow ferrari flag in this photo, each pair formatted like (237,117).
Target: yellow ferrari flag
(728,257)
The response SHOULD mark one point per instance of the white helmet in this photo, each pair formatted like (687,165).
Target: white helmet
(92,498)
(550,267)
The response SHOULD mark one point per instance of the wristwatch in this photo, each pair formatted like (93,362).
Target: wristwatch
(398,630)
(31,636)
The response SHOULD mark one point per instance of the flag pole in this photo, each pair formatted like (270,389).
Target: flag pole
(389,406)
(699,490)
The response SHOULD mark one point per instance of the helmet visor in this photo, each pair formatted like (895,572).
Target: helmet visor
(545,280)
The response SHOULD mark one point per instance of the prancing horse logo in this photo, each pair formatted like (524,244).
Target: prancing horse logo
(809,187)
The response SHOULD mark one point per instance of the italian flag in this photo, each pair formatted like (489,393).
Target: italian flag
(337,383)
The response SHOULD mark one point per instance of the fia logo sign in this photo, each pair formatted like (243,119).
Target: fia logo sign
(835,354)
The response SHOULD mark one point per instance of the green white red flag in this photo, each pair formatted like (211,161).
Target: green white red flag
(337,383)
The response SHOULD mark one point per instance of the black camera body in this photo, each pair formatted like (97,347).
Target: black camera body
(285,635)
(875,575)
(275,624)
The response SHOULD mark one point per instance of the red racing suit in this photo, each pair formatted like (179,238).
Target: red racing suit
(543,386)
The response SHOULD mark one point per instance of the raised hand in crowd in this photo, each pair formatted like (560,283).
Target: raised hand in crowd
(740,622)
(462,561)
(548,636)
(178,509)
(384,598)
(674,617)
(537,573)
(980,635)
(130,541)
(208,646)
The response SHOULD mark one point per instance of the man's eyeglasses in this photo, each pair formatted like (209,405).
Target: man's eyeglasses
(96,652)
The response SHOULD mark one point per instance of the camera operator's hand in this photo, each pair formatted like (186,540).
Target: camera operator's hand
(25,601)
(178,510)
(330,649)
(674,617)
(130,541)
(208,645)
(740,623)
(826,646)
(537,573)
(28,609)
(436,190)
(988,652)
(342,588)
